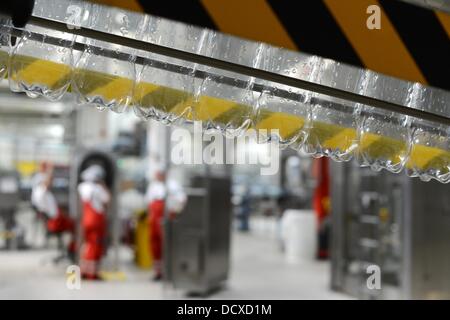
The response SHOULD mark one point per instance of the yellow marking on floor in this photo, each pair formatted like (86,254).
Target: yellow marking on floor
(112,275)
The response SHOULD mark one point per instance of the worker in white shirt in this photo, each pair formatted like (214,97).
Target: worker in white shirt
(95,198)
(45,204)
(157,198)
(42,198)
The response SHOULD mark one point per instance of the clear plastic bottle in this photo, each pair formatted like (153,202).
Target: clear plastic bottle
(4,51)
(162,94)
(430,142)
(384,136)
(333,121)
(37,66)
(287,115)
(235,102)
(169,89)
(100,80)
(5,46)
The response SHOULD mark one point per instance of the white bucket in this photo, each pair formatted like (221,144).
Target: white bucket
(298,232)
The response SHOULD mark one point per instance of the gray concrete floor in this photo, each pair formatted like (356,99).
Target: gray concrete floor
(259,271)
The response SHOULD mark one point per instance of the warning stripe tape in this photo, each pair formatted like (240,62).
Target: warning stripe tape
(444,19)
(333,29)
(325,135)
(373,44)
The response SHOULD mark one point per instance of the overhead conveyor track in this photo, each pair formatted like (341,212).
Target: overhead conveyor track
(219,64)
(326,108)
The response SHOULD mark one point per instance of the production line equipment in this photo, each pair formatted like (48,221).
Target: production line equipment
(197,242)
(393,224)
(170,71)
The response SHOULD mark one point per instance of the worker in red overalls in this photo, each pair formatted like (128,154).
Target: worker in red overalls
(95,198)
(321,204)
(157,198)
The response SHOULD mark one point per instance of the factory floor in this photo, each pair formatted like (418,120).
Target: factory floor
(258,271)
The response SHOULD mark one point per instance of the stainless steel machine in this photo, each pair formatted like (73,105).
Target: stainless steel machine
(197,242)
(394,222)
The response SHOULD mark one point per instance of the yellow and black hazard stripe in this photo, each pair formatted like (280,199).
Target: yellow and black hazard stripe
(413,42)
(425,37)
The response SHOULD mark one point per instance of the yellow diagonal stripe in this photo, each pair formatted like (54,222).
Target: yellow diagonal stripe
(117,89)
(128,4)
(201,110)
(142,89)
(444,18)
(42,72)
(251,19)
(204,112)
(421,156)
(343,140)
(382,147)
(381,50)
(287,125)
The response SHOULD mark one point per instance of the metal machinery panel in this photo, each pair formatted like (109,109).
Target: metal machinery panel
(428,238)
(397,223)
(9,201)
(9,189)
(197,242)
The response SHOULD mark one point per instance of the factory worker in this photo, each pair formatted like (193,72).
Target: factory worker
(157,198)
(45,204)
(321,205)
(95,198)
(42,198)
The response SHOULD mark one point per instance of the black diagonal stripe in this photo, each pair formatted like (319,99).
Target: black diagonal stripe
(315,31)
(425,38)
(188,11)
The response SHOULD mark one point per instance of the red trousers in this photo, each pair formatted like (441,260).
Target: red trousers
(61,223)
(94,229)
(156,214)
